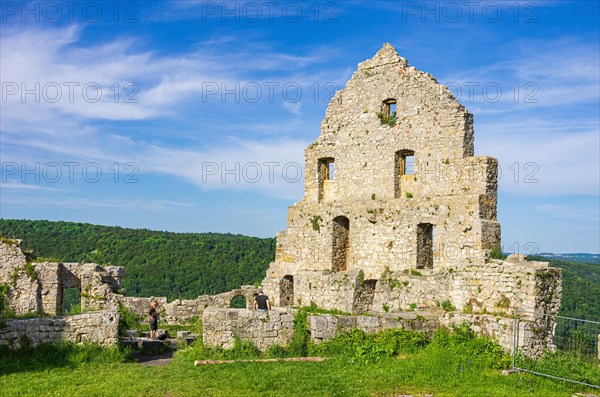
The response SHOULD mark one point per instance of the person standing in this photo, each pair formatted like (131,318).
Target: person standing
(261,302)
(153,319)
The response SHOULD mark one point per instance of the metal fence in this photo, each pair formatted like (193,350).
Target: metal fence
(557,347)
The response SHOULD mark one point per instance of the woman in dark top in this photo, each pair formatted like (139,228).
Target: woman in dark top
(153,319)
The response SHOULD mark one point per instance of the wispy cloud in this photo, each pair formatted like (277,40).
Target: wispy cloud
(18,186)
(110,203)
(586,212)
(114,81)
(542,157)
(67,130)
(538,74)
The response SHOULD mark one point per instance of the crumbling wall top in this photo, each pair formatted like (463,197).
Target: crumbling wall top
(385,56)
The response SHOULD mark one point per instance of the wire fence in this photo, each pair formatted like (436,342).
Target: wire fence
(557,347)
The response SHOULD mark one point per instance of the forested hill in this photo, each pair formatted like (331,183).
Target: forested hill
(176,265)
(581,288)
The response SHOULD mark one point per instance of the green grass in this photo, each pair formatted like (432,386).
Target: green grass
(435,371)
(452,363)
(66,355)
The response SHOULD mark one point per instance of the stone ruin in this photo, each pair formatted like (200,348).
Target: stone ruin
(39,287)
(398,215)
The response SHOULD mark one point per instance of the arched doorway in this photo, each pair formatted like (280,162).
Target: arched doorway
(341,244)
(238,302)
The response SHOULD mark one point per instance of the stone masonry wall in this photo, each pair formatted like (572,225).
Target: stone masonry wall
(182,310)
(323,327)
(397,214)
(415,237)
(264,329)
(98,327)
(534,335)
(501,329)
(37,287)
(374,214)
(22,296)
(497,287)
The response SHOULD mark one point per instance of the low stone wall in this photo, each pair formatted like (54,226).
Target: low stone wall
(532,341)
(497,328)
(534,334)
(263,329)
(98,327)
(182,310)
(323,327)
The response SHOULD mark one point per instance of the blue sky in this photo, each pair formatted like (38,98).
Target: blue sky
(193,116)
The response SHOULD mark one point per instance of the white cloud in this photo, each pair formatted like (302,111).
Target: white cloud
(539,74)
(133,84)
(18,186)
(565,151)
(549,147)
(542,157)
(293,107)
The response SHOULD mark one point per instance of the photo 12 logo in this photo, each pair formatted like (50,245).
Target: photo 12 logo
(269,11)
(492,92)
(252,92)
(69,11)
(53,92)
(469,11)
(250,172)
(70,172)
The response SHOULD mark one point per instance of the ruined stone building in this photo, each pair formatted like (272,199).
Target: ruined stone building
(38,287)
(398,214)
(397,211)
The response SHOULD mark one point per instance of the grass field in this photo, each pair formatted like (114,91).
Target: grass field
(411,375)
(445,366)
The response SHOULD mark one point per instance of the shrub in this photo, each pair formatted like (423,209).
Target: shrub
(566,364)
(276,351)
(496,252)
(127,320)
(358,347)
(242,350)
(4,288)
(447,306)
(389,120)
(298,347)
(462,341)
